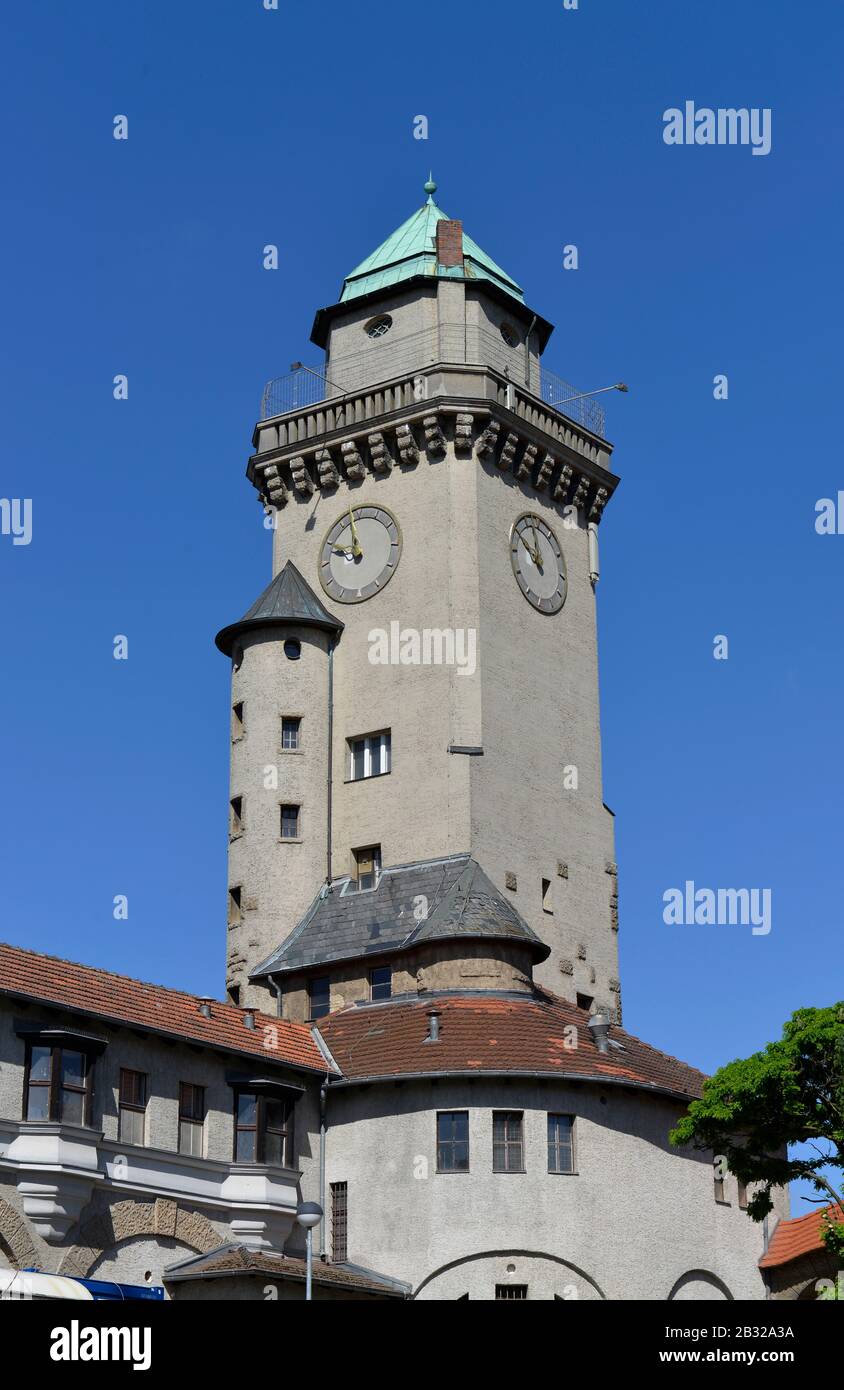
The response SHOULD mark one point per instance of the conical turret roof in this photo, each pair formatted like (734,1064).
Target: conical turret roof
(288,601)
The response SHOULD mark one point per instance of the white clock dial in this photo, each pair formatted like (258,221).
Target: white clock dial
(360,553)
(538,563)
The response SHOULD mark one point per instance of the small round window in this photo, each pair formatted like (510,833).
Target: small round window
(376,328)
(509,334)
(292,649)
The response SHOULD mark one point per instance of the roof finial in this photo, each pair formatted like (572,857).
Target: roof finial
(430,187)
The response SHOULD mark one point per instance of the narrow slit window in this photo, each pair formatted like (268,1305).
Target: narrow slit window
(236,815)
(339,1222)
(235,913)
(547,904)
(237,720)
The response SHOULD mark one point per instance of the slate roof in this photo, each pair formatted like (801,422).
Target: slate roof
(795,1238)
(288,599)
(495,1034)
(238,1260)
(411,250)
(119,999)
(344,924)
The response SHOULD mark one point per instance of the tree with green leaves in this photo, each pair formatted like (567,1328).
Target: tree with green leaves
(790,1094)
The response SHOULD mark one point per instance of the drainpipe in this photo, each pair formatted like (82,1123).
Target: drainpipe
(323,1129)
(330,758)
(594,563)
(527,353)
(276,989)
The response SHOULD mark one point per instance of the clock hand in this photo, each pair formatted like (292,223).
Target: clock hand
(356,545)
(534,554)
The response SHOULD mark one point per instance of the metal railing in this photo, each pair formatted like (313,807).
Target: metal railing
(450,343)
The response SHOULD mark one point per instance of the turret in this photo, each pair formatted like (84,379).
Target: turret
(281,652)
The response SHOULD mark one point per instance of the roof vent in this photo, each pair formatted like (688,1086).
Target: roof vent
(205,1005)
(450,243)
(433,1016)
(249,1018)
(599,1027)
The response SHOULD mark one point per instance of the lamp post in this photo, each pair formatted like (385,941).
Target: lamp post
(309,1214)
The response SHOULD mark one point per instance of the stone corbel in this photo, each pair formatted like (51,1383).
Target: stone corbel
(463,434)
(546,468)
(599,501)
(275,487)
(407,446)
(351,460)
(580,492)
(508,453)
(524,467)
(382,459)
(302,480)
(435,440)
(58,1169)
(327,469)
(563,483)
(488,442)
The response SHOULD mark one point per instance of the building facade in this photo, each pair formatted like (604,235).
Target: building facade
(422,1023)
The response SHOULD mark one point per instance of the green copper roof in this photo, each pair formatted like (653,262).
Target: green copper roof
(411,250)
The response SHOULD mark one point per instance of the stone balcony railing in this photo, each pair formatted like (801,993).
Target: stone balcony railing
(58,1167)
(321,444)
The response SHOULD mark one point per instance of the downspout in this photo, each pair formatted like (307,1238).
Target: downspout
(594,563)
(276,989)
(323,1129)
(527,353)
(330,758)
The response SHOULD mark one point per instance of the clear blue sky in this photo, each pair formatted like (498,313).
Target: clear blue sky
(296,127)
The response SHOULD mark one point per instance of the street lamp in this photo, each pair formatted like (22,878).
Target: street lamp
(619,386)
(309,1214)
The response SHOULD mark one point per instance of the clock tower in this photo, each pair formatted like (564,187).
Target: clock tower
(416,795)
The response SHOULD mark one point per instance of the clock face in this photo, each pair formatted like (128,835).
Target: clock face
(360,554)
(538,563)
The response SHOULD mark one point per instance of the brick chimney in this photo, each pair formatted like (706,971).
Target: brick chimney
(450,243)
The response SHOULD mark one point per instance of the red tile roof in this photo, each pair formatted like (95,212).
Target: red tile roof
(495,1034)
(120,999)
(791,1239)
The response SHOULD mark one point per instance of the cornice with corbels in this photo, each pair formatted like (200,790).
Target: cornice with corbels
(495,436)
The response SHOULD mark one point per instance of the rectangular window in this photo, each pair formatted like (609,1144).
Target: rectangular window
(58,1084)
(133,1104)
(191,1118)
(236,815)
(742,1195)
(547,905)
(452,1141)
(509,1293)
(339,1222)
(381,982)
(369,756)
(290,733)
(319,997)
(585,1002)
(235,914)
(508,1141)
(263,1129)
(237,720)
(290,822)
(367,868)
(560,1143)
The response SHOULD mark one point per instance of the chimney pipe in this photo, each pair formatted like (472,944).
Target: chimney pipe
(205,1005)
(433,1016)
(249,1018)
(599,1027)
